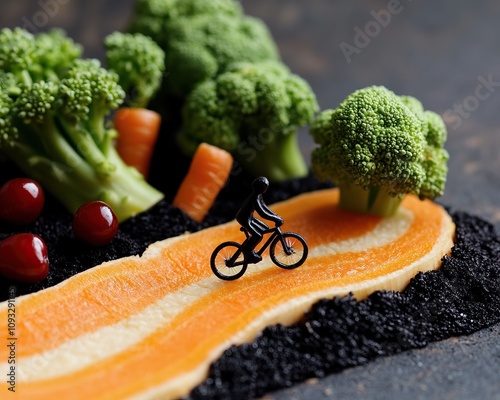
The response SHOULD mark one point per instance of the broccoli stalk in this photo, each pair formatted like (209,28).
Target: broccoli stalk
(373,200)
(125,191)
(56,131)
(252,111)
(377,147)
(279,160)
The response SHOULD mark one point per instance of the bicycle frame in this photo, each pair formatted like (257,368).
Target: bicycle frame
(276,232)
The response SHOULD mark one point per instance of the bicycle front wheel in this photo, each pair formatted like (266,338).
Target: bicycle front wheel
(228,261)
(289,251)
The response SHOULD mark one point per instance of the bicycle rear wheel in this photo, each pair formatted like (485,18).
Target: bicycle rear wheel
(228,261)
(289,251)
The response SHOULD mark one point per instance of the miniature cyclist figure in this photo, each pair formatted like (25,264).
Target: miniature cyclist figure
(288,250)
(254,226)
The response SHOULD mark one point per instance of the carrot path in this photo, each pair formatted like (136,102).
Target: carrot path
(175,354)
(98,293)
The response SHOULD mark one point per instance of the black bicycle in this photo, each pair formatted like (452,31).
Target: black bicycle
(288,250)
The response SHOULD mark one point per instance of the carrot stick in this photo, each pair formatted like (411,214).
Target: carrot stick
(137,133)
(206,176)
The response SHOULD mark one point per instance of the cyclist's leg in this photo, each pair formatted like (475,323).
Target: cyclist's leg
(255,237)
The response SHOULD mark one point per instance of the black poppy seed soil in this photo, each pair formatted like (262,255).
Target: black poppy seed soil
(459,298)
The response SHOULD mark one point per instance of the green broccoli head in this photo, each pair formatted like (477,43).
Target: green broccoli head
(253,111)
(153,17)
(32,58)
(91,84)
(172,9)
(18,53)
(139,63)
(383,144)
(56,52)
(86,96)
(201,47)
(35,102)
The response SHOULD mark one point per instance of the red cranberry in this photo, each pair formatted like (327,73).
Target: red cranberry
(24,258)
(21,201)
(95,223)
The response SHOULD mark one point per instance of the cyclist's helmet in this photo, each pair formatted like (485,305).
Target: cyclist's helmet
(260,185)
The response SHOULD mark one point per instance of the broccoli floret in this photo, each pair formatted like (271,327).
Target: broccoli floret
(7,130)
(252,111)
(139,63)
(30,58)
(201,44)
(56,53)
(86,96)
(18,53)
(377,147)
(153,17)
(435,156)
(56,131)
(9,84)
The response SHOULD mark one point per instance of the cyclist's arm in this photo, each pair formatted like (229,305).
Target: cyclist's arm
(263,227)
(265,212)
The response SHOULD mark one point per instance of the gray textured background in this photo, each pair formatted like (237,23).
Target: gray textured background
(440,52)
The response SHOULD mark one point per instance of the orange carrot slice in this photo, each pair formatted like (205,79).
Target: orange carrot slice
(137,133)
(149,327)
(207,175)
